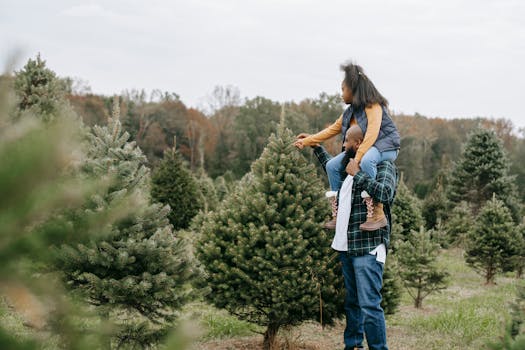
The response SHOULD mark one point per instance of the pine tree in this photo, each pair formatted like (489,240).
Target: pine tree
(417,264)
(459,224)
(221,188)
(391,291)
(406,212)
(483,170)
(514,336)
(266,256)
(519,257)
(136,274)
(492,241)
(435,207)
(36,181)
(173,184)
(206,191)
(39,91)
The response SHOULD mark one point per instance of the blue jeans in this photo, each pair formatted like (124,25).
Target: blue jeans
(336,172)
(372,157)
(363,277)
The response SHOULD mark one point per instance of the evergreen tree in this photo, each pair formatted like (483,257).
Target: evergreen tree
(439,235)
(459,224)
(39,90)
(35,181)
(492,241)
(391,291)
(406,212)
(417,264)
(173,184)
(221,188)
(519,257)
(253,124)
(266,256)
(483,170)
(435,207)
(514,336)
(206,191)
(136,275)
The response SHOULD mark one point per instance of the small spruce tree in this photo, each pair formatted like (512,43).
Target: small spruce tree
(221,188)
(459,224)
(407,213)
(519,257)
(435,207)
(417,264)
(173,184)
(492,240)
(483,170)
(136,275)
(206,191)
(39,91)
(266,256)
(391,291)
(36,182)
(514,336)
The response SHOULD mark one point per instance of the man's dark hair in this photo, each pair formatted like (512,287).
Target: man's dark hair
(363,90)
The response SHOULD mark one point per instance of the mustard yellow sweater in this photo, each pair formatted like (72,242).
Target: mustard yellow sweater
(374,114)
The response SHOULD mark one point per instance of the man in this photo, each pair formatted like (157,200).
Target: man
(363,253)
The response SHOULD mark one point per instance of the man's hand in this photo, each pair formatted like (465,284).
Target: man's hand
(353,167)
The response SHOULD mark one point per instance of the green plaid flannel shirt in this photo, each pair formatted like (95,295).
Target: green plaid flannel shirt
(382,189)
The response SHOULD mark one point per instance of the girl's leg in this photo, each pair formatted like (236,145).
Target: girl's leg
(389,155)
(373,157)
(336,171)
(369,162)
(375,217)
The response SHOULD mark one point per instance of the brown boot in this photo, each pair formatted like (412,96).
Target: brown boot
(375,216)
(330,225)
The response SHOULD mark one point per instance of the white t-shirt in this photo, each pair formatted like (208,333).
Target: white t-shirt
(340,241)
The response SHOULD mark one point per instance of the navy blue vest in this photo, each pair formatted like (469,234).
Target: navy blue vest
(388,138)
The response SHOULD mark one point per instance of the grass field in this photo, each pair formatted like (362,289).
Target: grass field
(464,316)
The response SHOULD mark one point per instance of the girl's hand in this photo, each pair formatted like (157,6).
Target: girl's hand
(299,141)
(299,144)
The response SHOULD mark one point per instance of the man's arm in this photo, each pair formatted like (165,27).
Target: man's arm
(322,156)
(383,187)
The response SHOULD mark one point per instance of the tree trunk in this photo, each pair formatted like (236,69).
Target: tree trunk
(489,277)
(270,337)
(418,300)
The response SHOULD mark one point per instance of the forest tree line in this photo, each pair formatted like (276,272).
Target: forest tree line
(231,133)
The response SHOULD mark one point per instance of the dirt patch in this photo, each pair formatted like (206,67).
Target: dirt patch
(254,343)
(309,336)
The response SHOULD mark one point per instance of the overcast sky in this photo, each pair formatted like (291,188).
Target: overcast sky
(446,58)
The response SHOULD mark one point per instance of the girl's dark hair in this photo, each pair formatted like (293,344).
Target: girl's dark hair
(363,90)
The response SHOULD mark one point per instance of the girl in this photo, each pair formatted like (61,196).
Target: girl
(367,108)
